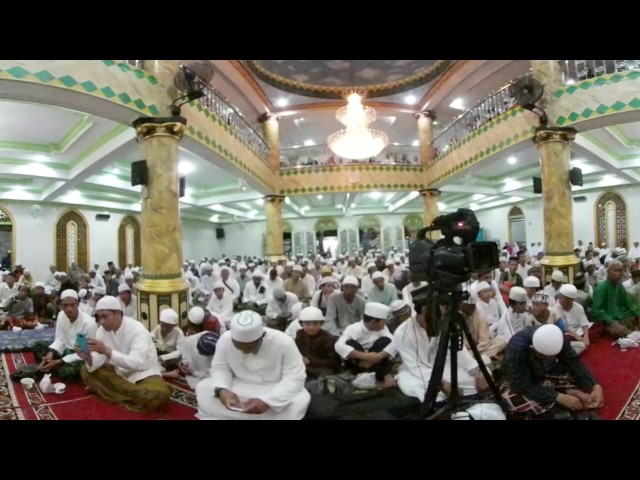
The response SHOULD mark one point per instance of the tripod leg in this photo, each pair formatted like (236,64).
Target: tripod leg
(483,368)
(428,404)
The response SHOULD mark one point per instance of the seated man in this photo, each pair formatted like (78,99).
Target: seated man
(367,346)
(194,356)
(121,365)
(279,309)
(541,369)
(316,345)
(257,373)
(44,306)
(166,337)
(613,308)
(59,357)
(573,317)
(20,311)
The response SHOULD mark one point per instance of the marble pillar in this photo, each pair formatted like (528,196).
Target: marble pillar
(165,71)
(557,201)
(549,73)
(161,284)
(431,198)
(273,220)
(271,130)
(425,136)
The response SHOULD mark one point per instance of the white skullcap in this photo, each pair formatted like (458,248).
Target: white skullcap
(128,276)
(557,276)
(196,315)
(246,327)
(82,293)
(252,265)
(398,305)
(62,274)
(225,268)
(540,297)
(568,290)
(376,275)
(92,270)
(548,339)
(518,294)
(217,285)
(221,261)
(207,267)
(297,268)
(290,264)
(531,282)
(185,264)
(123,288)
(69,294)
(109,303)
(26,271)
(377,310)
(325,280)
(371,265)
(257,274)
(388,262)
(242,266)
(169,316)
(483,286)
(295,310)
(18,264)
(39,284)
(311,314)
(99,291)
(350,280)
(278,293)
(234,264)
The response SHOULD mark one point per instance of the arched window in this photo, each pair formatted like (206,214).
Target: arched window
(72,241)
(517,230)
(611,221)
(7,239)
(129,242)
(369,231)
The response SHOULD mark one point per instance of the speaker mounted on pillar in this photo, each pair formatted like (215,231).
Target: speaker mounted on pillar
(537,185)
(139,173)
(527,91)
(183,185)
(575,176)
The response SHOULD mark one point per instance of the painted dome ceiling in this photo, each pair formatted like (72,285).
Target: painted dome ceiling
(331,78)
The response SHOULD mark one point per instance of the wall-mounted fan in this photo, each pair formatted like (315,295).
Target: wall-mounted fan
(527,91)
(36,212)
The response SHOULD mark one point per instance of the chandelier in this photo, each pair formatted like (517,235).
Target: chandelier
(357,141)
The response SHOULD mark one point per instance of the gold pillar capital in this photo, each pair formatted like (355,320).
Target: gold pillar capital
(425,114)
(431,193)
(274,198)
(265,117)
(147,127)
(554,134)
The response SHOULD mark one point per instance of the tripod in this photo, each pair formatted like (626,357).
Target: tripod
(452,326)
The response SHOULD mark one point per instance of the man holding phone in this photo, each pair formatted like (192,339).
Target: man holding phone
(60,357)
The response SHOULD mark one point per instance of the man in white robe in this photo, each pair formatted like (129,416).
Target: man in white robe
(128,301)
(257,373)
(221,305)
(167,335)
(194,356)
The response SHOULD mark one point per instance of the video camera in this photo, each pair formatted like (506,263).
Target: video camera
(447,263)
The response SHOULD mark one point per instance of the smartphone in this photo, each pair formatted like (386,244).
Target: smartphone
(81,341)
(236,409)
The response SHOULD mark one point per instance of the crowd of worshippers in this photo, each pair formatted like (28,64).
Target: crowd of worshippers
(261,335)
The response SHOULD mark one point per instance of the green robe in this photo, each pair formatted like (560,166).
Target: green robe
(612,303)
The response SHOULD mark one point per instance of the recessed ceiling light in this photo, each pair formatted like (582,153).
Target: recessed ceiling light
(442,206)
(18,187)
(375,195)
(188,191)
(410,99)
(457,104)
(477,196)
(282,102)
(39,158)
(309,143)
(571,81)
(512,160)
(260,201)
(415,143)
(319,197)
(185,168)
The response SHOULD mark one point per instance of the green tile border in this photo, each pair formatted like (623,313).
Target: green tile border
(288,172)
(600,111)
(597,82)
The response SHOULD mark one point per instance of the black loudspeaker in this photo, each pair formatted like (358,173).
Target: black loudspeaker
(102,217)
(580,199)
(139,173)
(537,185)
(183,185)
(219,233)
(575,176)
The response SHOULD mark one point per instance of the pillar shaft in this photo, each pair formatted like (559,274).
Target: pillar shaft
(549,73)
(431,198)
(165,71)
(273,219)
(161,281)
(425,136)
(555,156)
(271,130)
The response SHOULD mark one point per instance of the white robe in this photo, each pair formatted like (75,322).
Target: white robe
(168,343)
(365,337)
(418,353)
(133,352)
(198,364)
(510,323)
(66,332)
(275,374)
(130,310)
(222,309)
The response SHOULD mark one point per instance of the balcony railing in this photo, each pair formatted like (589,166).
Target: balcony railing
(321,155)
(486,110)
(578,70)
(217,103)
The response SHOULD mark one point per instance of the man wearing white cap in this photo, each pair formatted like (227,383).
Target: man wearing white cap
(129,302)
(486,305)
(95,279)
(166,336)
(121,365)
(382,291)
(279,308)
(557,279)
(367,346)
(316,345)
(221,304)
(573,316)
(541,369)
(257,373)
(400,312)
(532,286)
(59,356)
(256,293)
(51,280)
(345,307)
(326,287)
(194,356)
(367,281)
(515,317)
(294,284)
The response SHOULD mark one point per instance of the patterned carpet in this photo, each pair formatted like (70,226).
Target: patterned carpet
(75,403)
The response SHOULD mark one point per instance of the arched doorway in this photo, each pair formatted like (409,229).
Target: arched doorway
(369,232)
(287,245)
(129,242)
(7,239)
(326,236)
(517,229)
(72,241)
(611,221)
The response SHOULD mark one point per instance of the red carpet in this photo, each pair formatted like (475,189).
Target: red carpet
(619,374)
(75,404)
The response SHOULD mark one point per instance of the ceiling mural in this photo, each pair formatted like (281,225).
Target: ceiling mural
(331,78)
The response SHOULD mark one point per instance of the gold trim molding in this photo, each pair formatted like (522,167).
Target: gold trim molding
(174,285)
(554,134)
(148,127)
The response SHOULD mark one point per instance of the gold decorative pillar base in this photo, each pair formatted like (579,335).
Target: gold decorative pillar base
(161,284)
(273,220)
(425,136)
(271,130)
(431,198)
(555,156)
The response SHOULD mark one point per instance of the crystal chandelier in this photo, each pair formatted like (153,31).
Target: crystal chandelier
(357,141)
